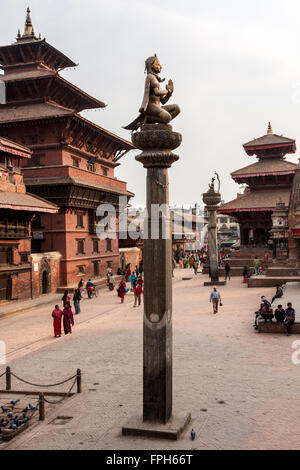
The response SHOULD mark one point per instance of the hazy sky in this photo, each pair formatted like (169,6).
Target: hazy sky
(235,66)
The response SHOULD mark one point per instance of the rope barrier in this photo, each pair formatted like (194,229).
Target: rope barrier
(42,386)
(1,375)
(61,399)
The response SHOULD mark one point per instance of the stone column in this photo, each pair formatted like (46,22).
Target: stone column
(211,199)
(157,141)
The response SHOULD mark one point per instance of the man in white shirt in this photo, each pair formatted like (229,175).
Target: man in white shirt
(215,297)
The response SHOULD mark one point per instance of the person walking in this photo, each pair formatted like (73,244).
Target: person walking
(245,274)
(76,300)
(256,264)
(57,314)
(227,271)
(289,318)
(215,298)
(196,266)
(66,298)
(132,279)
(68,319)
(138,290)
(122,291)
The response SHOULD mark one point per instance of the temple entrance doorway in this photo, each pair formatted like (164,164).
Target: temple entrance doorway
(5,287)
(45,282)
(260,236)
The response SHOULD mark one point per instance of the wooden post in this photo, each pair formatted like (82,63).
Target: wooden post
(8,378)
(41,407)
(78,378)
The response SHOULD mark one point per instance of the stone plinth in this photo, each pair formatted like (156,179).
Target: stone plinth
(172,430)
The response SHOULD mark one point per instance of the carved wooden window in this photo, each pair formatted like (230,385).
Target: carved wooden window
(79,220)
(108,264)
(76,162)
(108,244)
(91,165)
(35,160)
(95,245)
(24,256)
(81,269)
(104,171)
(80,246)
(96,268)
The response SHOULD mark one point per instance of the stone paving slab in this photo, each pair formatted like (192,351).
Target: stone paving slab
(234,381)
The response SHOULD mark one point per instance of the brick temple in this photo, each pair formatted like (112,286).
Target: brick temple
(73,160)
(268,181)
(18,279)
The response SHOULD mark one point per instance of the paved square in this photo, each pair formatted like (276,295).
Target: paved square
(240,387)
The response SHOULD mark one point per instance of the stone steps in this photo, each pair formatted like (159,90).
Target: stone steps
(285,271)
(234,271)
(268,281)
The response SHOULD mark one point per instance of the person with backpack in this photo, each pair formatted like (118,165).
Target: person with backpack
(138,290)
(265,312)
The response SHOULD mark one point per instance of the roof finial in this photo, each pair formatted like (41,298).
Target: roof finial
(270,131)
(28,29)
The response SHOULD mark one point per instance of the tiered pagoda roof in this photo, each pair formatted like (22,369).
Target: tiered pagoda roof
(268,179)
(35,91)
(264,168)
(259,200)
(270,145)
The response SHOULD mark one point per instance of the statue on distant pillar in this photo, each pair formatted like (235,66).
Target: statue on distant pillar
(151,111)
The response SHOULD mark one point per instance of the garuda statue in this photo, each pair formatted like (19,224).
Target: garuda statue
(151,111)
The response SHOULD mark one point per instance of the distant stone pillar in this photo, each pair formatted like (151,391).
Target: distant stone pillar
(157,141)
(211,199)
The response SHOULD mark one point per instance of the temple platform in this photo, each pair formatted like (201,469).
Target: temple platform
(268,281)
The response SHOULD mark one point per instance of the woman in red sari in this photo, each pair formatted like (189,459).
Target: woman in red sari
(68,319)
(57,314)
(122,290)
(128,274)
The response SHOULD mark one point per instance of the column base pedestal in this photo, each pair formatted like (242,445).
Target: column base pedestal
(215,283)
(172,430)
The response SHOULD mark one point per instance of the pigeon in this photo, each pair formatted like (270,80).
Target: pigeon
(10,414)
(4,409)
(193,434)
(13,426)
(16,417)
(25,410)
(32,407)
(14,402)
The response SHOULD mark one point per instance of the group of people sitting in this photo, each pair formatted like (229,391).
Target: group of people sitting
(284,316)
